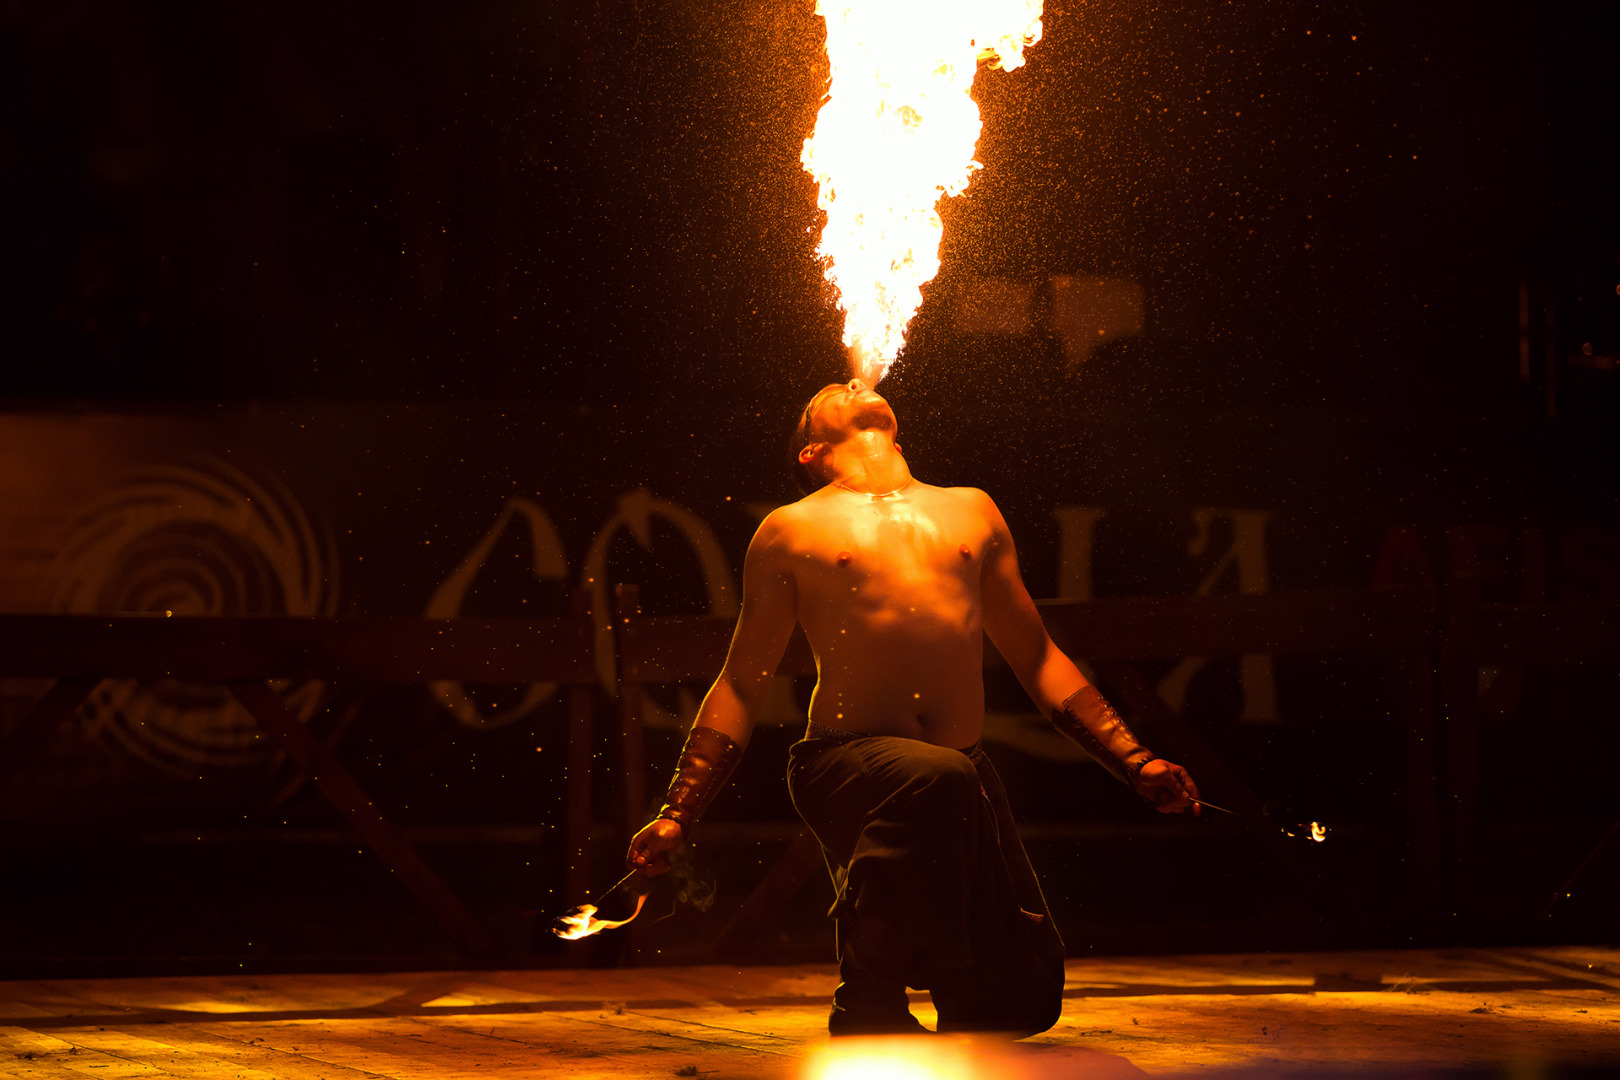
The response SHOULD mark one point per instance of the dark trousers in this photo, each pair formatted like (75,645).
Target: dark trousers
(934,889)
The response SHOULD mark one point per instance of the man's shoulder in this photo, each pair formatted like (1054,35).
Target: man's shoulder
(970,496)
(781,523)
(971,503)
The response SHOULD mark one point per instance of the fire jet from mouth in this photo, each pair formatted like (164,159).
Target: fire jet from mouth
(895,134)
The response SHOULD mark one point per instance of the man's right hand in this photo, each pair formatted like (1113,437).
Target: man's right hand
(650,848)
(1168,787)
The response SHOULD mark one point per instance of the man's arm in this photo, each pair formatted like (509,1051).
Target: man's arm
(1056,685)
(769,612)
(1013,623)
(726,718)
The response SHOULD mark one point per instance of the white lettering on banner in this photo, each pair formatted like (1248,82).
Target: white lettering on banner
(1248,555)
(636,511)
(546,560)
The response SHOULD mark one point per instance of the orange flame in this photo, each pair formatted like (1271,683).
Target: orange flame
(1318,831)
(896,132)
(582,921)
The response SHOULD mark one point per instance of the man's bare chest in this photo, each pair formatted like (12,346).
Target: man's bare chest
(900,541)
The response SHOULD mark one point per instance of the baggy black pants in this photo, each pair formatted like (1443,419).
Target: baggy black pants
(934,888)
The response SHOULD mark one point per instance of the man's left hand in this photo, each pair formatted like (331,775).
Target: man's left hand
(1168,787)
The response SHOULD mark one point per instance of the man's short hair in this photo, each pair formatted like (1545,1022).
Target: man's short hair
(803,475)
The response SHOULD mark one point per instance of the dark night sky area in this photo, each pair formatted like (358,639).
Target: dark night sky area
(1330,205)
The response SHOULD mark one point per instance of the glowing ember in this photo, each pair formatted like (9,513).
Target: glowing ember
(1318,831)
(897,132)
(582,921)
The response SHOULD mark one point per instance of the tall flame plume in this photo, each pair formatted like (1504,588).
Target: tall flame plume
(895,134)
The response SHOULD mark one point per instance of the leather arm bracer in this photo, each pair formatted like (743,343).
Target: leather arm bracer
(706,760)
(1089,720)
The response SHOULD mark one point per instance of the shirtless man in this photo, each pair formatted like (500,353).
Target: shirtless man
(893,581)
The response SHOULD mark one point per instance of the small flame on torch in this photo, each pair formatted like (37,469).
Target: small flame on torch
(582,921)
(896,133)
(1315,830)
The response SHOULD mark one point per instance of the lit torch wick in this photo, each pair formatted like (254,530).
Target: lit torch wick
(1315,830)
(582,921)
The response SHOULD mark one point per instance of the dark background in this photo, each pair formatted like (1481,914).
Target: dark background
(568,248)
(1330,206)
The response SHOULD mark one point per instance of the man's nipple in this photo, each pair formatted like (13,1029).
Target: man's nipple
(967,552)
(844,557)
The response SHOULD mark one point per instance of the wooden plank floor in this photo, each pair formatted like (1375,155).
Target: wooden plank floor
(1418,1010)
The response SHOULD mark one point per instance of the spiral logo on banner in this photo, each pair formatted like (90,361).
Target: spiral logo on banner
(201,538)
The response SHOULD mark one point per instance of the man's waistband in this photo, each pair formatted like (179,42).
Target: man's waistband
(974,753)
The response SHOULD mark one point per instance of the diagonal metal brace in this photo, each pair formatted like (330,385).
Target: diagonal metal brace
(19,744)
(341,790)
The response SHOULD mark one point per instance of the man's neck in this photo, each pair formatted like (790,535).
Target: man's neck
(869,461)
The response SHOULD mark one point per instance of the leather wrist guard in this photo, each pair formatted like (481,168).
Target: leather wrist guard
(706,760)
(1090,721)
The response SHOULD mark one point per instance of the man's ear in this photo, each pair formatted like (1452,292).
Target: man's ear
(899,451)
(809,452)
